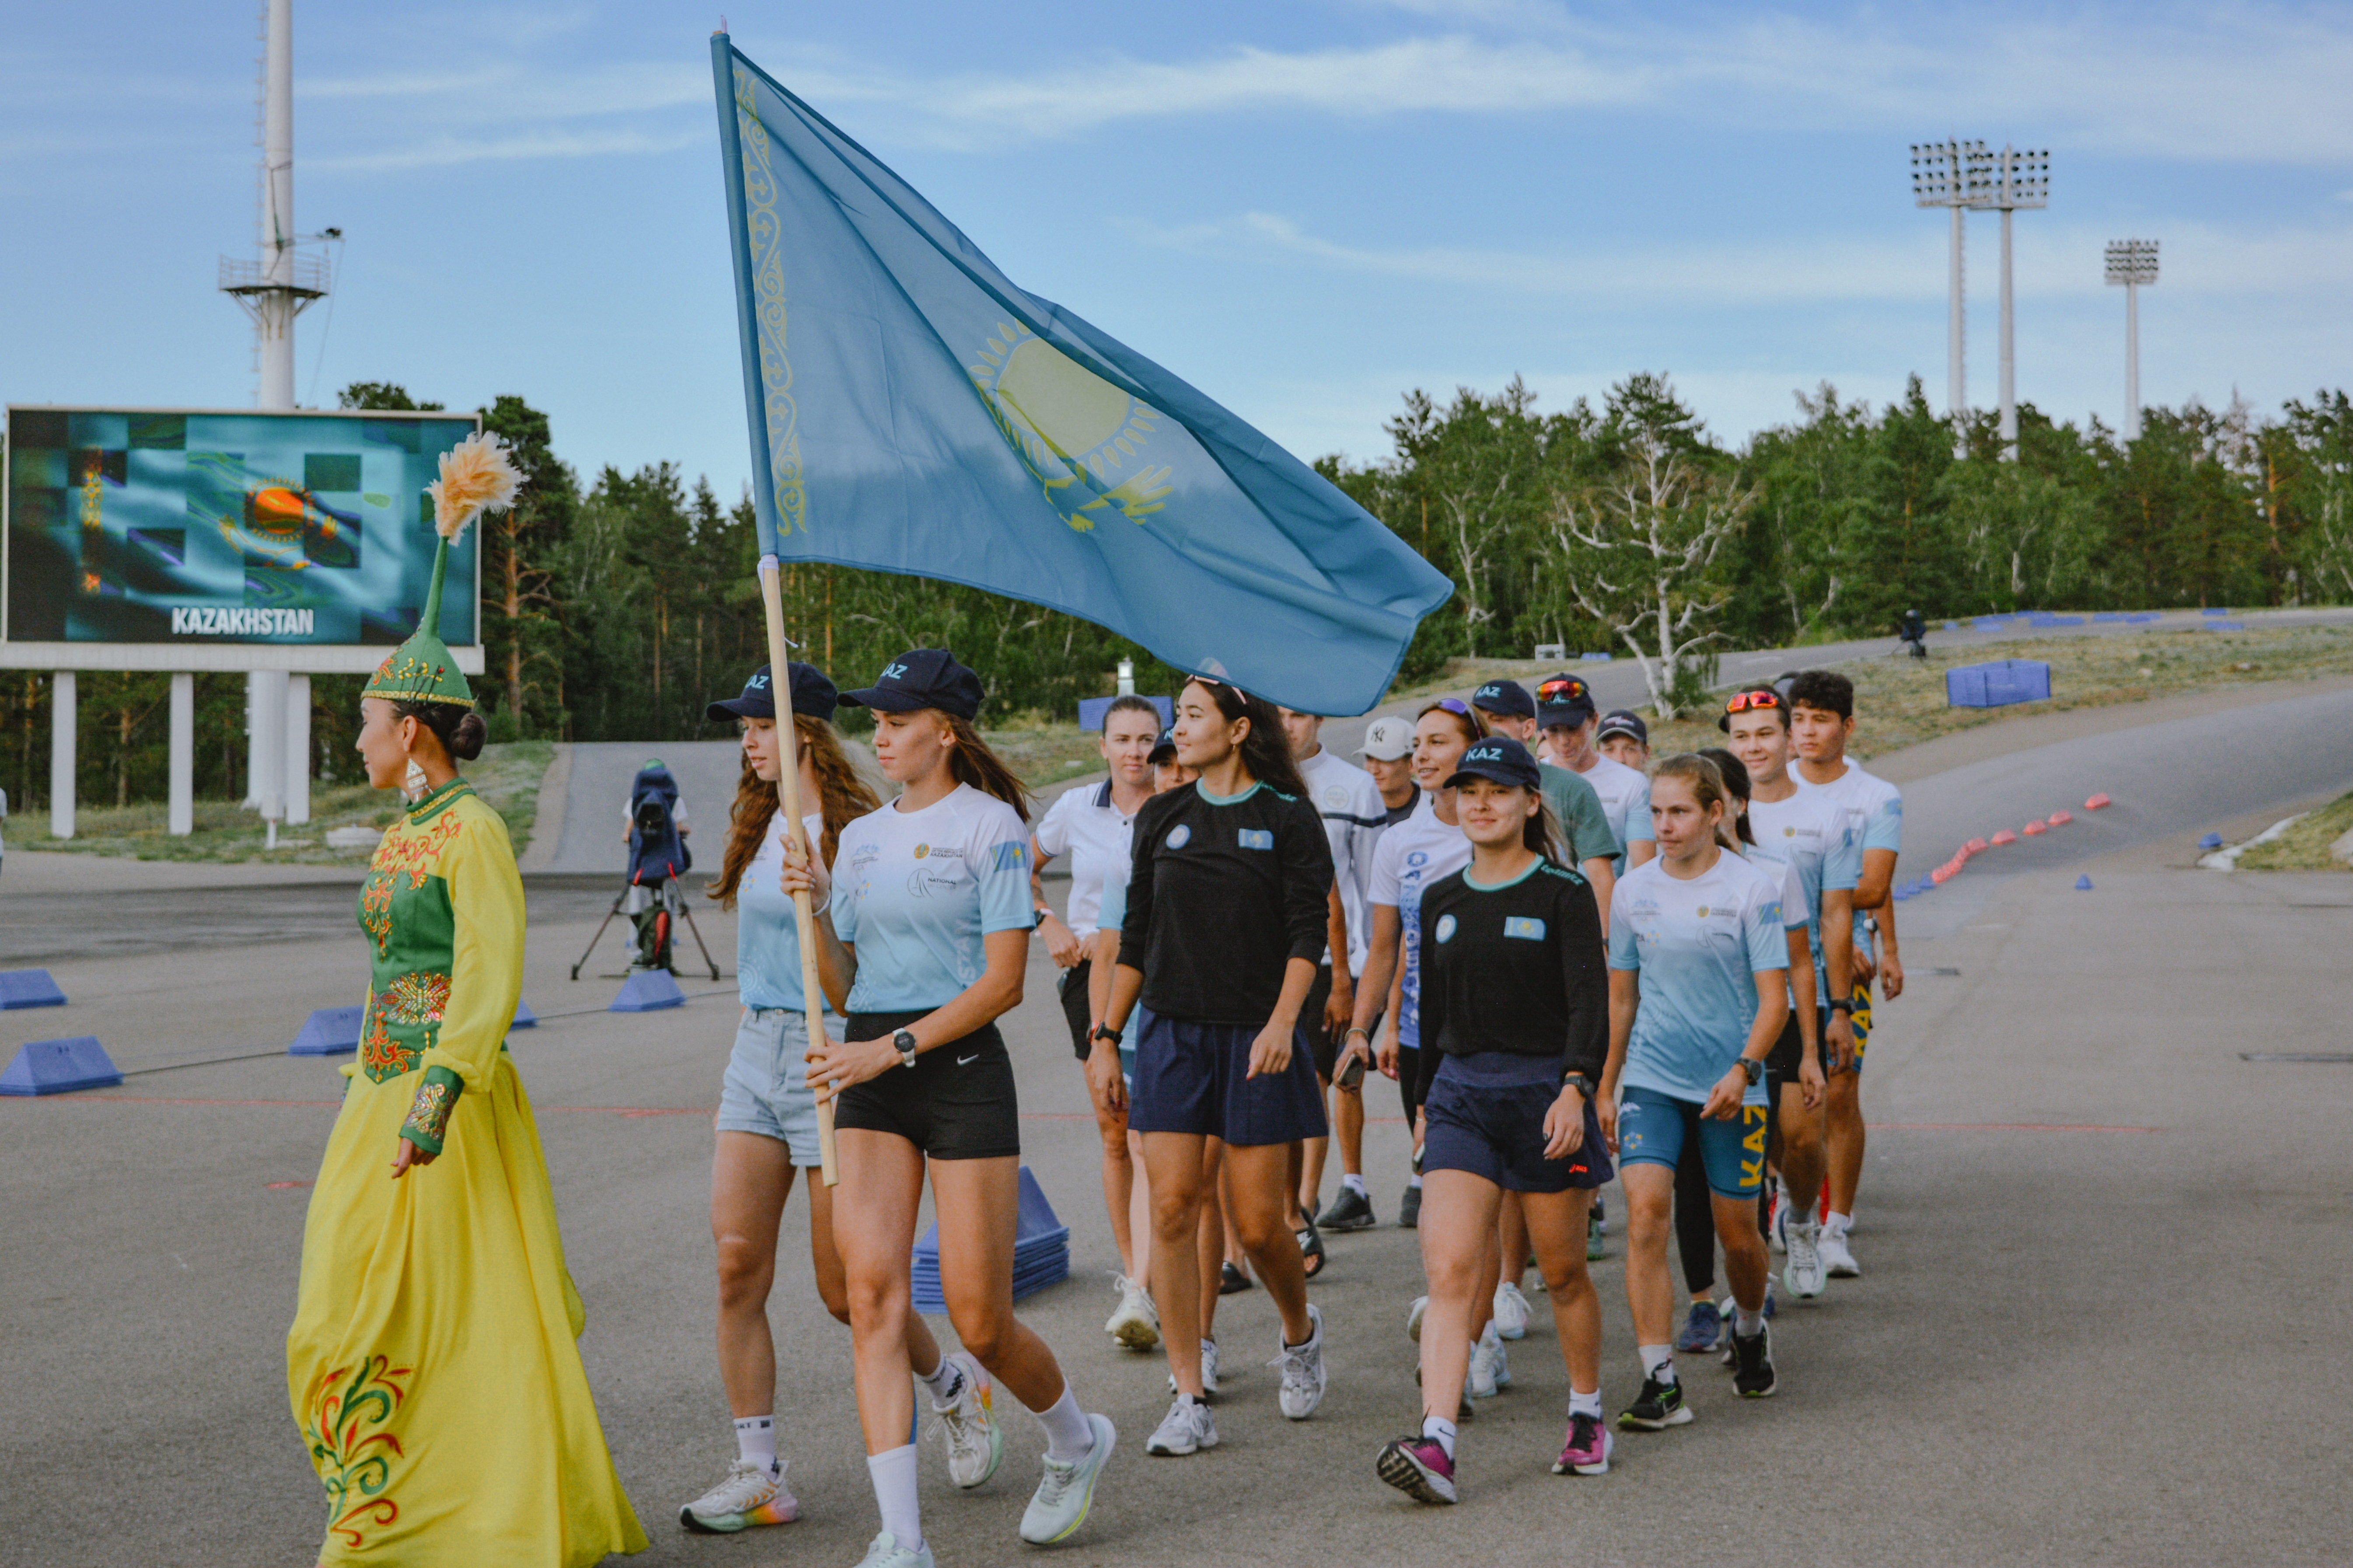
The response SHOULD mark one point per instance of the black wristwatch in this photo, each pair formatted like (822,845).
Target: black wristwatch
(1842,1008)
(1579,1083)
(1754,1069)
(1105,1032)
(904,1043)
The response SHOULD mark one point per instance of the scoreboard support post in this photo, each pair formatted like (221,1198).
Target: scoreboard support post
(62,755)
(182,810)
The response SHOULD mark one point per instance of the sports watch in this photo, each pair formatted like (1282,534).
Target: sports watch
(904,1043)
(1754,1069)
(1105,1032)
(1579,1083)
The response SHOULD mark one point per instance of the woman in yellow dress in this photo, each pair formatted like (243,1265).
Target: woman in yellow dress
(432,1363)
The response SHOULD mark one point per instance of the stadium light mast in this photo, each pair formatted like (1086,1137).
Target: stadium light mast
(2015,180)
(281,282)
(2132,263)
(1950,174)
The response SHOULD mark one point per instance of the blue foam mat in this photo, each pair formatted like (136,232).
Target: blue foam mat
(59,1067)
(28,988)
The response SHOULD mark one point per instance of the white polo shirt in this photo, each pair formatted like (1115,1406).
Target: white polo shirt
(1084,825)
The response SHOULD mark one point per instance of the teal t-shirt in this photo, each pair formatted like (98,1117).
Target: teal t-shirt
(1584,825)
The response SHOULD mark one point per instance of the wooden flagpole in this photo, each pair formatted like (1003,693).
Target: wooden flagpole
(788,793)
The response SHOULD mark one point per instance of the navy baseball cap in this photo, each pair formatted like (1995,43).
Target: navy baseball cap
(1508,697)
(812,694)
(1563,699)
(1623,721)
(1499,759)
(1164,746)
(922,677)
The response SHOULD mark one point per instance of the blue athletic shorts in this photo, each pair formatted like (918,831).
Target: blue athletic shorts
(1192,1078)
(1860,1019)
(1486,1116)
(1651,1132)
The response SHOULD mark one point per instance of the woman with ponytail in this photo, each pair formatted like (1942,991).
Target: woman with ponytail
(1224,928)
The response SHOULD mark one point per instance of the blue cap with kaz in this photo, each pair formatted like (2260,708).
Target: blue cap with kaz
(1500,760)
(922,677)
(812,694)
(1508,697)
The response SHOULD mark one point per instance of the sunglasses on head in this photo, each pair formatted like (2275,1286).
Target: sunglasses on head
(1571,689)
(1748,700)
(1453,705)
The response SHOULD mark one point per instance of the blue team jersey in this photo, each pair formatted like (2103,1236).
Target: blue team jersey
(1697,946)
(767,940)
(1809,833)
(916,891)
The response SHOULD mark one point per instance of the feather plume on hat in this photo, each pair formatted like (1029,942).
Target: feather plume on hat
(478,475)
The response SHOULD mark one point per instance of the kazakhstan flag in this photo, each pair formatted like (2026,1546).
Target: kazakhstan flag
(914,411)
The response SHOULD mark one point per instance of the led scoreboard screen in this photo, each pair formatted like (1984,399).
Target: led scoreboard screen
(158,527)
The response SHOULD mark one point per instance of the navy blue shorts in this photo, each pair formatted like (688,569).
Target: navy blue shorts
(1192,1078)
(1496,1132)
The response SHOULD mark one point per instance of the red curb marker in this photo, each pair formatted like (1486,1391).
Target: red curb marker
(2096,802)
(2033,827)
(1975,846)
(2062,818)
(2005,836)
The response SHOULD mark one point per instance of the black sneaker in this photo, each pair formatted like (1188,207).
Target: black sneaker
(1410,1210)
(1348,1210)
(1752,1372)
(1659,1406)
(1231,1279)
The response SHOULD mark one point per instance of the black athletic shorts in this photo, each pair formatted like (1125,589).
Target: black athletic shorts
(1308,1036)
(1789,1052)
(1075,1011)
(956,1103)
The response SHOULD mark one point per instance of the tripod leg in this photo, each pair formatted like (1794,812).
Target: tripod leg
(600,930)
(684,910)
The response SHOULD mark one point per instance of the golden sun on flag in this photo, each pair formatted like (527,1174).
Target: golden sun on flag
(1067,422)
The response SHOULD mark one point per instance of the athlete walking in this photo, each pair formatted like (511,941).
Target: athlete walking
(922,947)
(1565,712)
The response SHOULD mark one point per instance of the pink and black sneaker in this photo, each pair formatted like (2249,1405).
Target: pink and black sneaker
(1418,1466)
(1586,1451)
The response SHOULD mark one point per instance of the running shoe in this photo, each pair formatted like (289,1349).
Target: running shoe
(1601,1213)
(1065,1492)
(752,1494)
(1348,1210)
(1418,1466)
(1659,1406)
(1595,1249)
(1208,1372)
(975,1441)
(1187,1428)
(1778,1229)
(884,1551)
(1703,1329)
(1136,1323)
(1838,1261)
(1413,1318)
(1754,1374)
(1511,1311)
(1410,1213)
(1231,1279)
(1311,1246)
(1303,1369)
(1803,1274)
(1586,1450)
(1480,1381)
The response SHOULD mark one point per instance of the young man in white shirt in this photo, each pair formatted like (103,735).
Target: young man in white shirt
(1566,711)
(1388,752)
(1821,719)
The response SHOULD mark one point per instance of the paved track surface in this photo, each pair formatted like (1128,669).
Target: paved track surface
(2104,1255)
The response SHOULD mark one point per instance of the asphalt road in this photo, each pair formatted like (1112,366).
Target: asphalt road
(2105,1258)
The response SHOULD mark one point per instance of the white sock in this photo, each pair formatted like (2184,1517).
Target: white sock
(1836,1224)
(1069,1437)
(756,1441)
(893,1475)
(1439,1430)
(944,1381)
(1414,1180)
(1747,1325)
(1355,1184)
(1657,1362)
(1585,1403)
(1806,1228)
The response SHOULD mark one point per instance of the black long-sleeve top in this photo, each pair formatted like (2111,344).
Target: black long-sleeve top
(1223,895)
(1517,969)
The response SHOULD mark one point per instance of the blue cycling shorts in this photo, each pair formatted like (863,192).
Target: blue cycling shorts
(1651,1132)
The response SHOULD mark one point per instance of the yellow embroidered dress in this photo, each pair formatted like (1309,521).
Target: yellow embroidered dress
(432,1364)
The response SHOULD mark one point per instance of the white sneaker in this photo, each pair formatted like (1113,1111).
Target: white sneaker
(1480,1381)
(1777,1232)
(1413,1318)
(1803,1275)
(884,1551)
(1837,1260)
(1065,1492)
(1511,1311)
(1302,1370)
(1136,1323)
(1187,1428)
(976,1443)
(751,1495)
(1208,1371)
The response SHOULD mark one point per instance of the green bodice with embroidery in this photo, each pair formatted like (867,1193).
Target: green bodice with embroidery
(412,927)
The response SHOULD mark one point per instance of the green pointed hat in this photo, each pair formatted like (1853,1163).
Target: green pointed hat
(477,476)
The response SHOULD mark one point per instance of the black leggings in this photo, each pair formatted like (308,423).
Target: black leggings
(1694,1205)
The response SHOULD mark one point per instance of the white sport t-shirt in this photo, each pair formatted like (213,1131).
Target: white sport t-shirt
(1873,807)
(1349,802)
(1625,800)
(916,891)
(1407,858)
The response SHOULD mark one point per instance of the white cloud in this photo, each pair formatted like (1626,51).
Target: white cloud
(443,151)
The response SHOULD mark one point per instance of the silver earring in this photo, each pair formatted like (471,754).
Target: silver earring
(414,784)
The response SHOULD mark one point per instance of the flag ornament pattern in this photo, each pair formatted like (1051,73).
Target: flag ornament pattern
(913,410)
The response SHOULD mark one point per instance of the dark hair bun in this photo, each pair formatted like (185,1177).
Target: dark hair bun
(466,743)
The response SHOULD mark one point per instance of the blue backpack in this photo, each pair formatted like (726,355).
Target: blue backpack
(657,853)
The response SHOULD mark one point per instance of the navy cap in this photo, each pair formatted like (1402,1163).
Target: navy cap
(1563,699)
(1167,743)
(1499,759)
(1623,721)
(922,677)
(812,694)
(1508,697)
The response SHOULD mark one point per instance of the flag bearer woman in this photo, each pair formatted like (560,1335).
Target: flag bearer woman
(922,946)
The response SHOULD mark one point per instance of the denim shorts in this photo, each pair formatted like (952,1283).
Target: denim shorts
(767,1088)
(1651,1132)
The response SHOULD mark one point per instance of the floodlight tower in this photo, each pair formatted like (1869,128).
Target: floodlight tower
(1950,174)
(2014,180)
(281,282)
(2133,263)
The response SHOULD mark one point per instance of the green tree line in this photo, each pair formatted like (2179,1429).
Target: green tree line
(615,607)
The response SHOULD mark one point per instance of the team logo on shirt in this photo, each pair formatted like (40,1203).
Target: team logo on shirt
(921,850)
(1179,835)
(1703,911)
(1335,796)
(1788,832)
(1528,928)
(1255,838)
(1445,927)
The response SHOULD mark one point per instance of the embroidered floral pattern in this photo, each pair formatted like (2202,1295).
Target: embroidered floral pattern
(429,1117)
(351,1408)
(402,855)
(416,998)
(381,1056)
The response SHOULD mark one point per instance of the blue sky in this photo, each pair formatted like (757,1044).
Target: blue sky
(1303,208)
